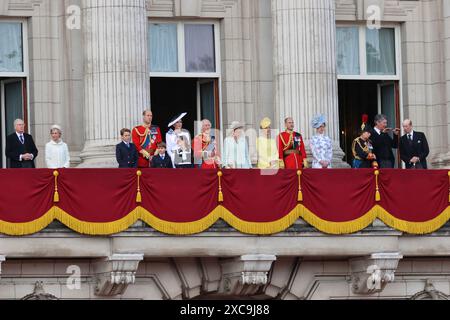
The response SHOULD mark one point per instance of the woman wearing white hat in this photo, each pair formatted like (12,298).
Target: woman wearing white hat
(321,145)
(179,143)
(236,153)
(56,151)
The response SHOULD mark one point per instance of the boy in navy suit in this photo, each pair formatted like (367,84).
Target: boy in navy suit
(162,158)
(126,152)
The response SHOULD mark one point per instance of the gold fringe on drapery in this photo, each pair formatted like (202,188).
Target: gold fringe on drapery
(220,212)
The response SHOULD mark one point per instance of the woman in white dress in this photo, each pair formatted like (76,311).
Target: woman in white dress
(56,151)
(321,145)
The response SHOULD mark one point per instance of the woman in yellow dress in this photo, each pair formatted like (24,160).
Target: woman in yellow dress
(266,147)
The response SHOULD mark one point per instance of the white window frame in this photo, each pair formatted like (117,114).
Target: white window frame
(363,75)
(182,54)
(14,76)
(182,57)
(25,71)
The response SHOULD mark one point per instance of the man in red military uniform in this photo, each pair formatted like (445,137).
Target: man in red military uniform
(291,148)
(146,138)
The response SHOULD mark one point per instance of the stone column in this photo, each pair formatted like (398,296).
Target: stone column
(446,14)
(116,81)
(305,76)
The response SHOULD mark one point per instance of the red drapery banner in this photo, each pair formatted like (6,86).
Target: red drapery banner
(182,202)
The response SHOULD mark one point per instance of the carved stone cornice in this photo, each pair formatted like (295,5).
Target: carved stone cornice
(2,259)
(189,8)
(18,5)
(371,274)
(114,274)
(390,10)
(430,293)
(246,275)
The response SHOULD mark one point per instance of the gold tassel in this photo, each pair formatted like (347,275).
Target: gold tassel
(220,174)
(300,193)
(377,194)
(139,194)
(56,194)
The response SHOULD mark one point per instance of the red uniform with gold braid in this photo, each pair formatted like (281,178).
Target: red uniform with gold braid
(292,150)
(205,152)
(146,138)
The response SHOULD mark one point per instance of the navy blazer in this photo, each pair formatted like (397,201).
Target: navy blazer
(383,145)
(14,148)
(126,157)
(158,162)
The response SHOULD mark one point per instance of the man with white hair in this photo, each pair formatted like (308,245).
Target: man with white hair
(414,148)
(20,148)
(206,155)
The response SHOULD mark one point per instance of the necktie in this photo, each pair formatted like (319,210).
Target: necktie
(21,139)
(410,140)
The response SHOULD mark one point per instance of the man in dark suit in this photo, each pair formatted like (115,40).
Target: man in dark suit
(162,159)
(383,143)
(20,148)
(414,148)
(126,152)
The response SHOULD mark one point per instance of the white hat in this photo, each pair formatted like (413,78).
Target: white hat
(177,118)
(55,126)
(236,125)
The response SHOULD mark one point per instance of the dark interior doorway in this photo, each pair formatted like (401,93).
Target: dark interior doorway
(170,97)
(13,102)
(358,97)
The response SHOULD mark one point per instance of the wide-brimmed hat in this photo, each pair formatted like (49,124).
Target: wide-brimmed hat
(265,123)
(236,125)
(177,118)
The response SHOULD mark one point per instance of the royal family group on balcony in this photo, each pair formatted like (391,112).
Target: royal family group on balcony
(143,146)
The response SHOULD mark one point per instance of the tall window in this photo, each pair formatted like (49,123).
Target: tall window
(163,48)
(199,44)
(380,51)
(11,47)
(347,39)
(13,78)
(177,49)
(367,53)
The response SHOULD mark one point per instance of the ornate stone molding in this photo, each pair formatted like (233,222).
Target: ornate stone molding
(390,10)
(2,259)
(114,274)
(429,293)
(189,8)
(16,5)
(246,275)
(371,274)
(39,293)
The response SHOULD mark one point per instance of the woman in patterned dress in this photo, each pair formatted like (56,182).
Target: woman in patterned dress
(321,145)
